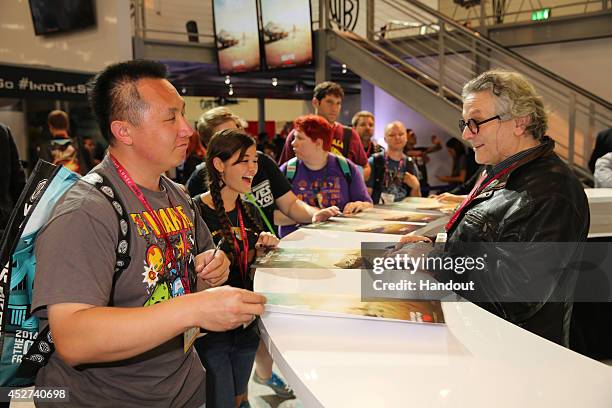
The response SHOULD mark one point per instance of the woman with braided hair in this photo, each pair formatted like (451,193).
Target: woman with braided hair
(228,357)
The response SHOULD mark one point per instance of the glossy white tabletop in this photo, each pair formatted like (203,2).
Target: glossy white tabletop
(475,360)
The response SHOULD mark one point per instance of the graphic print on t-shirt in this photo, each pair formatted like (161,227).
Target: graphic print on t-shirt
(263,194)
(320,193)
(337,147)
(162,278)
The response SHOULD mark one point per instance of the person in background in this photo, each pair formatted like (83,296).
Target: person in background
(603,171)
(94,153)
(12,176)
(456,150)
(269,150)
(394,175)
(236,227)
(327,103)
(271,193)
(318,177)
(63,151)
(195,154)
(363,123)
(420,155)
(603,145)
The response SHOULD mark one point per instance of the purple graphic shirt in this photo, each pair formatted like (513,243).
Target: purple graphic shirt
(326,187)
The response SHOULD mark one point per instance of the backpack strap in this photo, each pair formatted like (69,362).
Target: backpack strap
(122,251)
(379,168)
(347,137)
(346,169)
(291,169)
(41,349)
(378,172)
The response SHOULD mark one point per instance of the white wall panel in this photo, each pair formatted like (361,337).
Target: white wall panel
(85,50)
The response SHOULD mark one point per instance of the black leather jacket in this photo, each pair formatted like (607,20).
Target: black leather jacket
(538,201)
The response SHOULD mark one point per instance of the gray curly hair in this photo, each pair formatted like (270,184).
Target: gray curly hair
(514,97)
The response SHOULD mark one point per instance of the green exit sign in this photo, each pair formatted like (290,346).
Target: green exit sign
(543,14)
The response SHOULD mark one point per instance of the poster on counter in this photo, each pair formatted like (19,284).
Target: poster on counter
(370,226)
(351,306)
(304,258)
(386,214)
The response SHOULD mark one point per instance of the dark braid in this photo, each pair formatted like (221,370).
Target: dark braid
(252,215)
(223,145)
(226,226)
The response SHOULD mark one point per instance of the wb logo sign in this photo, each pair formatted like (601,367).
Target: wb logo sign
(344,13)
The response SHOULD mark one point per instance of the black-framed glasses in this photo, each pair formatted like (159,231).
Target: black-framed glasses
(473,125)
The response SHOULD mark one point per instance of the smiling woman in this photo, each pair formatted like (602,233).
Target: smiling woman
(232,162)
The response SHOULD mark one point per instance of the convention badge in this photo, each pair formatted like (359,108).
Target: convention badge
(386,198)
(189,336)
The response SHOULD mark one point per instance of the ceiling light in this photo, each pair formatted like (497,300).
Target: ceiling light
(227,79)
(274,81)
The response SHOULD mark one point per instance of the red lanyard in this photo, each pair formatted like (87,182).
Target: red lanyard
(387,175)
(475,192)
(369,148)
(243,261)
(169,253)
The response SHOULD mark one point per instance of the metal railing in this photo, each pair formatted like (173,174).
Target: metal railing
(444,53)
(516,11)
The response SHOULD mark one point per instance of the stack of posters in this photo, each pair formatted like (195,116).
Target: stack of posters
(365,225)
(348,306)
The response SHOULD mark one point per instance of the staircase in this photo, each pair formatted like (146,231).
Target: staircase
(425,60)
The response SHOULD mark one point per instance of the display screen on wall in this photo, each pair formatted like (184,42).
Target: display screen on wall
(287,33)
(56,16)
(236,35)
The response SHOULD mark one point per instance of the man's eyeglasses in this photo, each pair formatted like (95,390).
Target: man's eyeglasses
(473,125)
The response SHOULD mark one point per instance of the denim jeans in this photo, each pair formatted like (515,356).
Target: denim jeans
(228,358)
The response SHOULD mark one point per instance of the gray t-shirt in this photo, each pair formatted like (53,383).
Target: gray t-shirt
(75,253)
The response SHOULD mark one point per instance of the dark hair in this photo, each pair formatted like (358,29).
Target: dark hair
(58,119)
(113,94)
(315,127)
(327,88)
(456,145)
(224,144)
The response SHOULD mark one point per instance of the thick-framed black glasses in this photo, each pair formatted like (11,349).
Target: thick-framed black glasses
(473,125)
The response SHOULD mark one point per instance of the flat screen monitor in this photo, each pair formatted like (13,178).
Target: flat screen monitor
(57,16)
(237,36)
(287,33)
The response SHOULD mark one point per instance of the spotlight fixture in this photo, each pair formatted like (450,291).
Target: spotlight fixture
(227,80)
(274,81)
(344,68)
(183,90)
(231,90)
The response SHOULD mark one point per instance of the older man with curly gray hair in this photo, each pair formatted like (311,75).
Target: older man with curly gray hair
(526,194)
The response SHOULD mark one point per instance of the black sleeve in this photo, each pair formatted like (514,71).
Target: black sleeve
(198,181)
(17,175)
(278,182)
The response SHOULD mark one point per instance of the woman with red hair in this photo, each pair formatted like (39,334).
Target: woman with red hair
(196,153)
(319,177)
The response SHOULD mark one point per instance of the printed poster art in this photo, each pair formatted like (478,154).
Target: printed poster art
(162,278)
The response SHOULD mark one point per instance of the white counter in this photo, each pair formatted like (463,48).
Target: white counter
(475,360)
